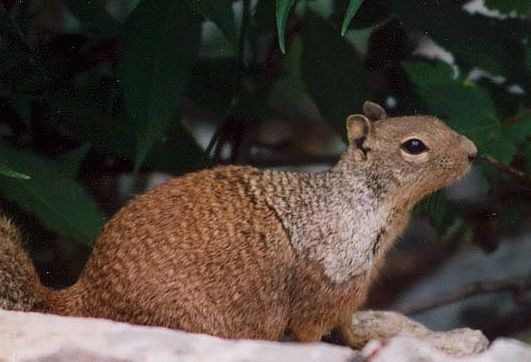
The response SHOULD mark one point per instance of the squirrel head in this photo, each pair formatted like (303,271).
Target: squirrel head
(420,153)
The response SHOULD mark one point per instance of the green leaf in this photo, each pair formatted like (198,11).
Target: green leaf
(527,154)
(86,113)
(249,107)
(494,45)
(7,26)
(71,161)
(528,57)
(465,106)
(220,12)
(333,73)
(282,13)
(368,15)
(511,214)
(352,9)
(6,171)
(264,16)
(506,6)
(22,105)
(436,206)
(94,17)
(7,61)
(500,148)
(518,129)
(178,153)
(214,82)
(289,90)
(21,69)
(60,203)
(160,44)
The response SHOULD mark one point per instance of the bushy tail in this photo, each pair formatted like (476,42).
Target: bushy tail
(20,286)
(19,283)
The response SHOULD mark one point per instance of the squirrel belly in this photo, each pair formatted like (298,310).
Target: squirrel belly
(239,252)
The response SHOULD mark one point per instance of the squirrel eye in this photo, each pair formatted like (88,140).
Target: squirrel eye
(414,146)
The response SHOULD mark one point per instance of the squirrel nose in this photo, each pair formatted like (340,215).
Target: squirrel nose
(469,147)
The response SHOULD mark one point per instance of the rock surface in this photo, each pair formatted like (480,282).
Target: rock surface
(38,337)
(407,349)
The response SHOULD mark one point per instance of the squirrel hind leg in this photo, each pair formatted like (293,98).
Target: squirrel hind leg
(307,333)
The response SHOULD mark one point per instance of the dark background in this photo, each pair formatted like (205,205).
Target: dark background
(101,100)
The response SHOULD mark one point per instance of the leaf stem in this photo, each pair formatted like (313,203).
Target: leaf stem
(516,117)
(507,169)
(246,16)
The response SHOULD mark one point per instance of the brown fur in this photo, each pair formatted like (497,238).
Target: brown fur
(242,253)
(16,280)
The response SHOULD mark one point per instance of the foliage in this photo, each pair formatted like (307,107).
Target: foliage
(115,85)
(57,200)
(152,70)
(283,8)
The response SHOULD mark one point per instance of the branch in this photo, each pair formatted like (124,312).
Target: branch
(516,287)
(516,118)
(507,169)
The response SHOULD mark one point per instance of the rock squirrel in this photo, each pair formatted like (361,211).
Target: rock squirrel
(239,252)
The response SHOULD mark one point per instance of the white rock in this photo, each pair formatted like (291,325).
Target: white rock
(40,337)
(504,349)
(406,349)
(32,337)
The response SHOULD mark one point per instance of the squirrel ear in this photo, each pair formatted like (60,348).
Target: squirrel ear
(358,126)
(374,111)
